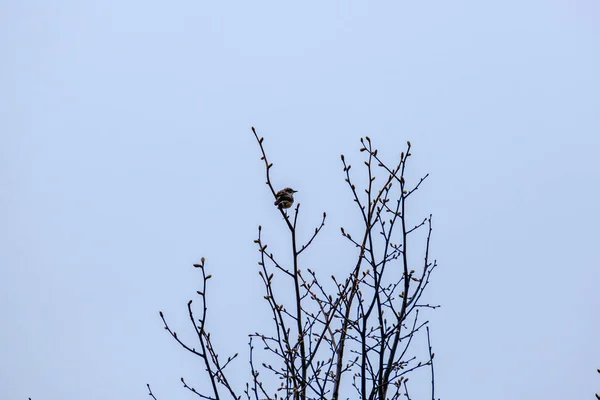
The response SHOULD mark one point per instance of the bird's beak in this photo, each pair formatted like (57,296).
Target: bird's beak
(295,191)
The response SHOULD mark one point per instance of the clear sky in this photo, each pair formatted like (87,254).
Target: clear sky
(126,155)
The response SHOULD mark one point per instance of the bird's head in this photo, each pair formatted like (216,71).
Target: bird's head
(289,190)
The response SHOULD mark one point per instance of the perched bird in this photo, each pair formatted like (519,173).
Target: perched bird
(285,198)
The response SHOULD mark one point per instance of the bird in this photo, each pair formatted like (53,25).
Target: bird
(285,198)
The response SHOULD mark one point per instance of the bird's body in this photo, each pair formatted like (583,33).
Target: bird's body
(285,198)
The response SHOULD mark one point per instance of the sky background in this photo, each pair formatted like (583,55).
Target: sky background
(126,155)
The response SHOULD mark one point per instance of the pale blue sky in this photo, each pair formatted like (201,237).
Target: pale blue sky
(126,155)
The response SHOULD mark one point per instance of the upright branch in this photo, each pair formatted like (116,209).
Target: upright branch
(295,360)
(213,366)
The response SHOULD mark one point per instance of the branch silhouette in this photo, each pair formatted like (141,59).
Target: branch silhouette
(362,330)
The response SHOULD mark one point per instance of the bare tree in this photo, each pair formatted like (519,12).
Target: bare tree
(356,333)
